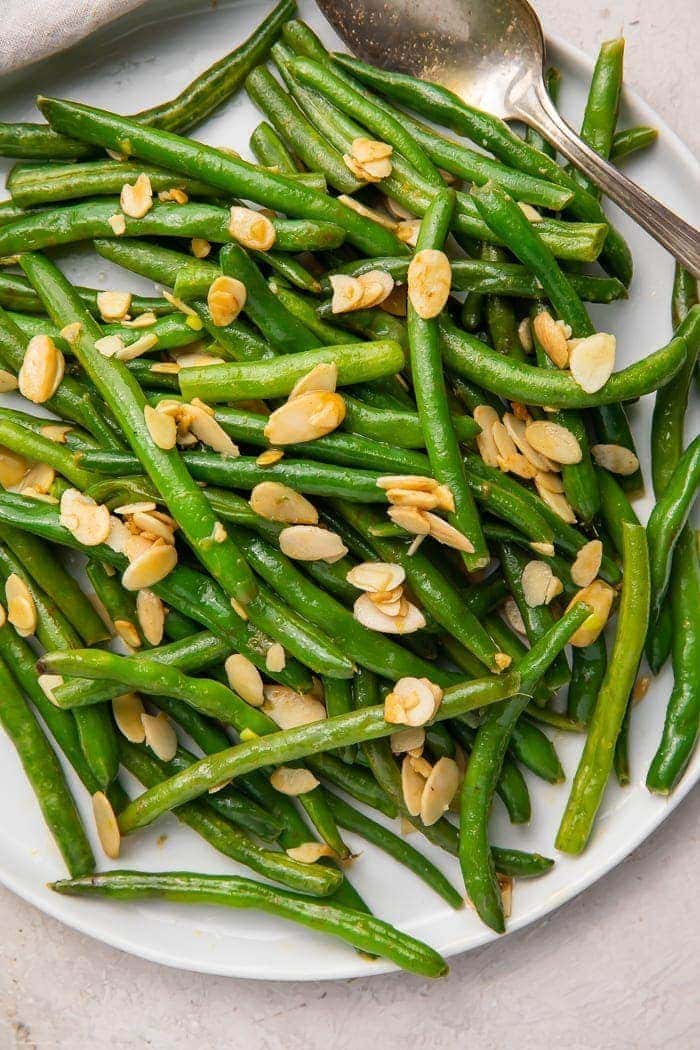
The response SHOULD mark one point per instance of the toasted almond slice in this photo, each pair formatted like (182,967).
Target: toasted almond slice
(369,213)
(71,332)
(600,597)
(311,543)
(277,502)
(109,345)
(414,700)
(139,346)
(410,519)
(269,457)
(160,735)
(118,224)
(440,788)
(21,610)
(502,661)
(144,320)
(505,883)
(487,418)
(88,521)
(517,464)
(56,432)
(513,616)
(551,338)
(200,247)
(376,576)
(356,168)
(407,232)
(592,360)
(42,369)
(118,535)
(412,498)
(135,201)
(165,368)
(447,534)
(516,431)
(376,285)
(545,549)
(525,335)
(367,613)
(306,418)
(323,376)
(587,563)
(557,501)
(137,544)
(38,479)
(539,584)
(245,679)
(127,509)
(161,427)
(174,195)
(412,785)
(275,658)
(253,229)
(429,282)
(8,382)
(310,852)
(367,150)
(396,302)
(211,433)
(106,824)
(553,441)
(289,780)
(127,710)
(412,740)
(550,481)
(153,525)
(48,683)
(226,298)
(150,567)
(615,458)
(128,633)
(407,481)
(347,293)
(113,306)
(151,616)
(503,441)
(219,533)
(290,709)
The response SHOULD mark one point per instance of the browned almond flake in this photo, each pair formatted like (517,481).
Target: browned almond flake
(641,687)
(226,298)
(407,232)
(137,199)
(551,338)
(118,224)
(376,286)
(516,429)
(412,498)
(411,702)
(412,785)
(269,457)
(347,293)
(407,481)
(429,282)
(42,369)
(512,616)
(600,596)
(71,332)
(305,418)
(56,432)
(487,417)
(106,824)
(587,563)
(128,633)
(200,247)
(252,229)
(410,519)
(113,305)
(109,345)
(447,534)
(245,679)
(367,613)
(376,576)
(21,610)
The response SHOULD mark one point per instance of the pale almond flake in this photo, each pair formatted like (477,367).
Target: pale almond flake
(200,247)
(109,345)
(56,432)
(252,229)
(310,852)
(209,432)
(87,520)
(113,306)
(277,502)
(530,213)
(539,584)
(600,596)
(47,684)
(160,735)
(368,213)
(377,285)
(557,501)
(152,525)
(408,740)
(587,563)
(545,549)
(134,508)
(118,535)
(615,458)
(139,346)
(550,481)
(21,610)
(486,417)
(410,519)
(376,576)
(447,534)
(525,335)
(162,428)
(412,498)
(305,418)
(117,223)
(290,709)
(323,376)
(416,482)
(168,368)
(367,150)
(71,332)
(516,430)
(8,382)
(347,293)
(412,785)
(513,616)
(106,824)
(429,282)
(128,633)
(551,338)
(38,480)
(219,533)
(592,361)
(311,543)
(245,679)
(289,780)
(412,702)
(554,441)
(226,298)
(42,369)
(439,790)
(275,658)
(137,199)
(151,616)
(127,710)
(367,613)
(150,567)
(407,232)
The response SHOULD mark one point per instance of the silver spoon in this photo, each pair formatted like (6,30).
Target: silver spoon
(491,53)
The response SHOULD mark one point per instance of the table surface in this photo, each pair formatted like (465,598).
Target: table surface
(614,968)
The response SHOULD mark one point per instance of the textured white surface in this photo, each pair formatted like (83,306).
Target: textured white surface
(613,968)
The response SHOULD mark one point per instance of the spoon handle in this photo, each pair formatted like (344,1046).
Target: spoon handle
(680,238)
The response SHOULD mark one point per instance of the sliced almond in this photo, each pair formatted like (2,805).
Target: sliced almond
(440,789)
(558,502)
(377,285)
(516,431)
(71,332)
(57,432)
(113,306)
(174,195)
(412,702)
(347,293)
(305,418)
(539,584)
(410,519)
(226,298)
(416,482)
(150,567)
(153,525)
(513,616)
(615,458)
(396,302)
(587,563)
(209,432)
(369,615)
(447,534)
(139,346)
(592,360)
(525,335)
(135,201)
(106,824)
(38,479)
(277,502)
(8,382)
(219,533)
(42,369)
(309,852)
(21,610)
(151,616)
(600,596)
(269,457)
(505,884)
(412,785)
(275,658)
(289,780)
(160,735)
(376,576)
(412,498)
(127,710)
(311,543)
(87,520)
(530,213)
(290,709)
(252,229)
(200,247)
(486,416)
(545,549)
(13,467)
(48,683)
(127,509)
(551,338)
(407,231)
(117,223)
(109,345)
(128,633)
(367,150)
(245,679)
(412,740)
(550,481)
(161,427)
(369,213)
(553,441)
(323,376)
(429,282)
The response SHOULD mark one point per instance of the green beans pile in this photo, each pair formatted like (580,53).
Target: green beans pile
(347,486)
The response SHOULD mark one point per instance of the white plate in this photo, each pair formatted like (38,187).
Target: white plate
(140,61)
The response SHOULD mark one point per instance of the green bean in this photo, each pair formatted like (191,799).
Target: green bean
(509,642)
(269,150)
(364,932)
(276,377)
(507,500)
(630,140)
(227,173)
(588,668)
(355,781)
(484,767)
(127,401)
(606,720)
(516,381)
(41,449)
(682,719)
(154,261)
(39,142)
(612,428)
(336,691)
(431,397)
(533,748)
(602,106)
(510,786)
(290,269)
(16,293)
